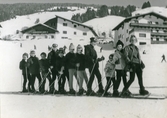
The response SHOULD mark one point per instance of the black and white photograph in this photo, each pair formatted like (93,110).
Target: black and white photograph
(83,59)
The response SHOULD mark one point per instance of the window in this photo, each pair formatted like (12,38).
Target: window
(142,43)
(27,37)
(142,35)
(156,23)
(157,39)
(75,26)
(127,31)
(64,32)
(136,21)
(64,37)
(84,33)
(64,24)
(157,30)
(149,22)
(52,36)
(75,33)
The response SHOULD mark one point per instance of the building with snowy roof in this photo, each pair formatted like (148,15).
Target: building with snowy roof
(59,28)
(149,28)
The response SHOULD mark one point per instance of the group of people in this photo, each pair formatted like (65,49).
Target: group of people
(63,67)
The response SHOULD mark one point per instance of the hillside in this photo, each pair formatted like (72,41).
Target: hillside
(105,24)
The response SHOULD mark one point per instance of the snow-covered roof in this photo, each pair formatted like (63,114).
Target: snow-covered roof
(23,31)
(129,18)
(75,23)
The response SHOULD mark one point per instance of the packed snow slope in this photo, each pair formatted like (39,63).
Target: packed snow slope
(105,24)
(19,106)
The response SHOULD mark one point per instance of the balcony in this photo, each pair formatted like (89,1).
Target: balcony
(148,25)
(158,34)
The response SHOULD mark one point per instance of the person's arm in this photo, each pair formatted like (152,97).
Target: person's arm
(126,54)
(21,65)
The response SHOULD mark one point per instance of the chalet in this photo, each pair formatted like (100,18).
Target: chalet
(149,28)
(60,28)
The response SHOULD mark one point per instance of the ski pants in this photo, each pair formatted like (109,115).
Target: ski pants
(108,84)
(81,75)
(95,72)
(25,77)
(45,75)
(120,74)
(33,76)
(136,69)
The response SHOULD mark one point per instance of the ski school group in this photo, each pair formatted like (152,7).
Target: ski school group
(63,67)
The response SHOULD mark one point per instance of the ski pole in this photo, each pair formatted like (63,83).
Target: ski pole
(106,87)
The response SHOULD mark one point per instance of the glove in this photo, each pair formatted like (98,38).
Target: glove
(51,67)
(50,70)
(77,65)
(60,72)
(102,58)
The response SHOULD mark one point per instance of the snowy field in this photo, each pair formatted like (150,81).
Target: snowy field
(24,106)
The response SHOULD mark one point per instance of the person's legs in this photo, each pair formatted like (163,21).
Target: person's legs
(39,81)
(33,82)
(118,80)
(91,78)
(24,82)
(85,78)
(98,75)
(29,82)
(108,84)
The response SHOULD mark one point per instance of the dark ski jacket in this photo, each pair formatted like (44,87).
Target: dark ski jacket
(52,58)
(60,62)
(91,56)
(44,65)
(70,60)
(80,58)
(24,66)
(33,65)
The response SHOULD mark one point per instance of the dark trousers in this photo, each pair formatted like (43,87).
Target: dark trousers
(27,77)
(54,75)
(108,84)
(120,74)
(95,72)
(33,76)
(45,75)
(136,69)
(61,82)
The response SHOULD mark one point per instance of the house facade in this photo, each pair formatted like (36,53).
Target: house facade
(149,28)
(59,28)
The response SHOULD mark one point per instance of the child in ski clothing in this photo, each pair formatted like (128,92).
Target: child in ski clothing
(52,62)
(110,74)
(45,71)
(60,68)
(34,68)
(25,72)
(80,64)
(119,61)
(71,66)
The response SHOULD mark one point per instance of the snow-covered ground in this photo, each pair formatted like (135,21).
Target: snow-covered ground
(105,24)
(16,106)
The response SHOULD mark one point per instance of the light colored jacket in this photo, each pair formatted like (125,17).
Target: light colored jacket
(109,69)
(119,60)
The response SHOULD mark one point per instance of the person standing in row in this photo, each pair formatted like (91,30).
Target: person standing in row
(70,61)
(163,58)
(25,72)
(119,61)
(133,58)
(34,68)
(110,75)
(80,64)
(52,62)
(93,66)
(45,71)
(60,67)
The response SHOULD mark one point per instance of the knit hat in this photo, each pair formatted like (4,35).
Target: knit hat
(111,56)
(61,50)
(25,54)
(79,47)
(54,45)
(120,43)
(71,47)
(92,39)
(43,53)
(32,51)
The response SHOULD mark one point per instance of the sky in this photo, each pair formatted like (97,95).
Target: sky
(137,3)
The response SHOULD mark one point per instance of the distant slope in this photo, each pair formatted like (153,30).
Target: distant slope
(105,24)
